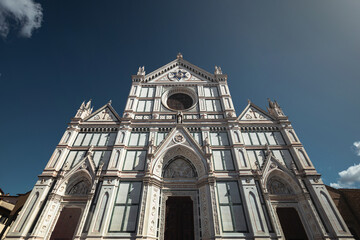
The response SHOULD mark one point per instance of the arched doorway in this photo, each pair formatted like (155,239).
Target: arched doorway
(284,196)
(66,224)
(180,196)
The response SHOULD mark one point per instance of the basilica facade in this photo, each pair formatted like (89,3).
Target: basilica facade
(179,164)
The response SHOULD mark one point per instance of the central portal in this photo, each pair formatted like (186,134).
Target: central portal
(291,224)
(179,219)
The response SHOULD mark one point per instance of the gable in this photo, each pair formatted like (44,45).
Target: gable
(179,70)
(179,136)
(104,114)
(254,114)
(179,74)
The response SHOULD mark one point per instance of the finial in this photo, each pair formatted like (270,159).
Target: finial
(110,101)
(91,151)
(274,109)
(249,101)
(271,104)
(88,104)
(179,56)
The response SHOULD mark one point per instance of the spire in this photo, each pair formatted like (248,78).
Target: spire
(84,110)
(275,110)
(179,56)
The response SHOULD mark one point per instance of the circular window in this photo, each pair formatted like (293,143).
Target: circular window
(179,101)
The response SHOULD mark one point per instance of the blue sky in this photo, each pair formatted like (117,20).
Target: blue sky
(305,54)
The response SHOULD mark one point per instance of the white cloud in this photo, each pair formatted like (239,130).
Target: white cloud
(356,147)
(23,14)
(349,178)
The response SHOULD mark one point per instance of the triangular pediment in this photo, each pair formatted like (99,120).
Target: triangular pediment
(87,164)
(104,114)
(271,162)
(179,70)
(254,113)
(179,136)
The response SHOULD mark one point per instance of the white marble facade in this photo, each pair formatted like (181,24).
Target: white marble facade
(179,137)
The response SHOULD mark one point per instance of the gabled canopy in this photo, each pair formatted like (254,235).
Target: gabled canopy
(179,70)
(104,114)
(254,113)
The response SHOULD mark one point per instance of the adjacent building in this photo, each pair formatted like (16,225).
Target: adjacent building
(10,207)
(179,164)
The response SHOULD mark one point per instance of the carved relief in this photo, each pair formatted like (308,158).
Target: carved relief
(80,188)
(143,206)
(179,138)
(104,115)
(179,168)
(275,186)
(215,213)
(153,210)
(253,114)
(204,213)
(200,168)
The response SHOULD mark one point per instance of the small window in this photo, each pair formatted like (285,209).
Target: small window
(211,92)
(223,160)
(95,139)
(67,137)
(145,106)
(160,136)
(198,137)
(147,92)
(134,161)
(138,139)
(219,139)
(213,105)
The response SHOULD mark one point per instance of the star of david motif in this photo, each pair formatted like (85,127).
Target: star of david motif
(179,75)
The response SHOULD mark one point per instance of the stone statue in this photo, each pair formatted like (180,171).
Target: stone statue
(218,70)
(141,71)
(179,117)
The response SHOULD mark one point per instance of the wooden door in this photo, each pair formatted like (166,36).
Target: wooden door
(179,219)
(66,224)
(291,224)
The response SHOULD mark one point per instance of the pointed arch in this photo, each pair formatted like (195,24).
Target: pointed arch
(55,159)
(179,150)
(179,167)
(79,183)
(256,212)
(292,136)
(303,158)
(67,137)
(237,136)
(116,159)
(101,212)
(330,210)
(122,137)
(242,158)
(284,177)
